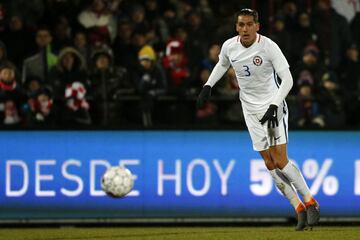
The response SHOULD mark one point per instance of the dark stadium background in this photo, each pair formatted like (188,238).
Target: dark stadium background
(62,93)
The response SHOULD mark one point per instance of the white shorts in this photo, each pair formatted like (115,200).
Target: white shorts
(263,137)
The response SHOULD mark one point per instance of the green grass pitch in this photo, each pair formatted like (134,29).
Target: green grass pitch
(184,233)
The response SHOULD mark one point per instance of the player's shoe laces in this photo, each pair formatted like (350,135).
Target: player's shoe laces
(312,212)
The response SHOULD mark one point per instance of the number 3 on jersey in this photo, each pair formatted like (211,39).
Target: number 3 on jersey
(246,70)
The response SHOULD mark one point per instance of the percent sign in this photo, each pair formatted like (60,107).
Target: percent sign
(330,184)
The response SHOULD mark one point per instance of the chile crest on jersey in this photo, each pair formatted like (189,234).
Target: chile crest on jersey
(257,60)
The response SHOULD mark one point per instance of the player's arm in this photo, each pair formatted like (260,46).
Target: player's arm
(285,86)
(281,67)
(219,70)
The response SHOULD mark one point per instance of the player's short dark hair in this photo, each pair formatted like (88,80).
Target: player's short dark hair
(247,12)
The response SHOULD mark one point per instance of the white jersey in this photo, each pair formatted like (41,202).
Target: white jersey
(255,68)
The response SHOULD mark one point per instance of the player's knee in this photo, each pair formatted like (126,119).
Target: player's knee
(281,163)
(269,164)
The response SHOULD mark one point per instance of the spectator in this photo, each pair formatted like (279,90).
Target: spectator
(107,83)
(207,114)
(99,23)
(355,28)
(229,92)
(32,86)
(229,87)
(114,5)
(330,98)
(76,111)
(208,64)
(290,13)
(183,8)
(40,64)
(3,54)
(81,44)
(42,112)
(281,36)
(176,65)
(156,20)
(152,11)
(70,68)
(333,32)
(177,71)
(302,36)
(58,9)
(126,53)
(15,36)
(196,43)
(151,82)
(62,34)
(2,20)
(171,19)
(309,70)
(11,96)
(138,17)
(204,8)
(350,84)
(225,28)
(123,47)
(308,114)
(4,60)
(32,11)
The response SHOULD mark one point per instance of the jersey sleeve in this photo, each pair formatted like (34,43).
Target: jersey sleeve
(285,86)
(220,68)
(223,56)
(277,58)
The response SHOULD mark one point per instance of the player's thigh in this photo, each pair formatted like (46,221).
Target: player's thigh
(257,132)
(263,137)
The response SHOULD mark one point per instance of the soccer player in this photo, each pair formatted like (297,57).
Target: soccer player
(258,61)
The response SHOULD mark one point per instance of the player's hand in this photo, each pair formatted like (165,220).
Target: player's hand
(270,116)
(203,96)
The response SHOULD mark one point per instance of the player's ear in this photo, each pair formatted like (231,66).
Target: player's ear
(257,26)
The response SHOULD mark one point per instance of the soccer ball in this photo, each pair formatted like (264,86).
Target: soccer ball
(117,182)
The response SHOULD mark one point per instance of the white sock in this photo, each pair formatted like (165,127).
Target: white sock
(297,180)
(284,185)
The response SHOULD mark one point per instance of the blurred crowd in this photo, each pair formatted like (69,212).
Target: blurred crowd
(127,63)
